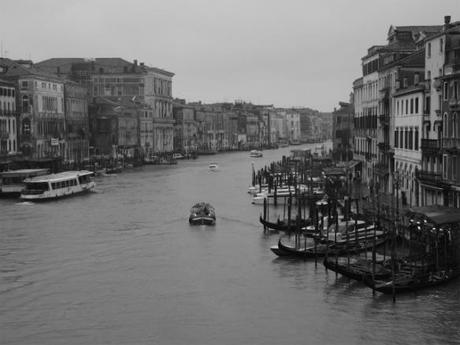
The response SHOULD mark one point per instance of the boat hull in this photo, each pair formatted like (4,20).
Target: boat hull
(202,221)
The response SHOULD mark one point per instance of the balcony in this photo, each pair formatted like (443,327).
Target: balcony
(381,169)
(23,138)
(430,144)
(384,119)
(451,68)
(384,147)
(454,103)
(428,176)
(451,143)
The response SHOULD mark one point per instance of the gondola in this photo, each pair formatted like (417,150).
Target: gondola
(282,225)
(334,249)
(357,268)
(404,282)
(202,214)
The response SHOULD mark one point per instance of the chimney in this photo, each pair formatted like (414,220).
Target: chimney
(135,62)
(446,22)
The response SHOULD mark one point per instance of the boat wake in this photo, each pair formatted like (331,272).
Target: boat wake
(24,203)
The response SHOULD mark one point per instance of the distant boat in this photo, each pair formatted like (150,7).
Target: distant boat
(202,213)
(213,166)
(178,156)
(256,154)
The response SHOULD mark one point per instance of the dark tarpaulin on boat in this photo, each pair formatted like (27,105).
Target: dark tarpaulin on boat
(436,214)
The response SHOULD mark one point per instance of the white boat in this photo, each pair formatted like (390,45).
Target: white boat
(213,166)
(56,186)
(178,156)
(256,153)
(12,181)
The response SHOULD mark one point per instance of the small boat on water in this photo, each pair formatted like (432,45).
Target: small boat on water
(202,213)
(284,225)
(256,154)
(358,268)
(213,166)
(351,246)
(178,155)
(55,186)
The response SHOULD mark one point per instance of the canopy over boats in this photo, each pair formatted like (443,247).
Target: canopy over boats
(202,213)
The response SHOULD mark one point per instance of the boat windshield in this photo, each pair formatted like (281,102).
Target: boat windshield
(84,179)
(36,187)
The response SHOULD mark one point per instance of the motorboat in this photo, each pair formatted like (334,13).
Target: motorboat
(202,213)
(213,166)
(256,154)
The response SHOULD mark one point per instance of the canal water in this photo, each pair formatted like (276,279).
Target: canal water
(123,266)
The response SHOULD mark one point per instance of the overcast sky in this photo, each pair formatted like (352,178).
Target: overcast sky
(285,53)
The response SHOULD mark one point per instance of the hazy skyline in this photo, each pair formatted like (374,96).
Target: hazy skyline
(285,53)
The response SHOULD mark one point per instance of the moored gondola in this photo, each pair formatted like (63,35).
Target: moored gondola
(357,268)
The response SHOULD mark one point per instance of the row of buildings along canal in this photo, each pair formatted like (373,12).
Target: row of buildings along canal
(66,110)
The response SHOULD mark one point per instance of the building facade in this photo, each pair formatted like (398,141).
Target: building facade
(8,120)
(76,123)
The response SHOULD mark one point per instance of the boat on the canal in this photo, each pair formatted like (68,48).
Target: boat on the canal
(285,225)
(357,267)
(434,239)
(255,154)
(337,248)
(12,181)
(202,213)
(213,166)
(56,186)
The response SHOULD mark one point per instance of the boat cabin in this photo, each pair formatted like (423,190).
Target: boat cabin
(12,181)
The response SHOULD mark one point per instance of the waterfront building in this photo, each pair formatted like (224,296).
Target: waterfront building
(41,105)
(119,80)
(293,126)
(376,120)
(8,121)
(76,123)
(185,128)
(437,186)
(342,129)
(449,44)
(408,123)
(115,126)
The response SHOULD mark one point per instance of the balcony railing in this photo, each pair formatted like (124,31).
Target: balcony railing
(384,146)
(384,119)
(454,103)
(451,143)
(25,138)
(431,144)
(428,176)
(381,169)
